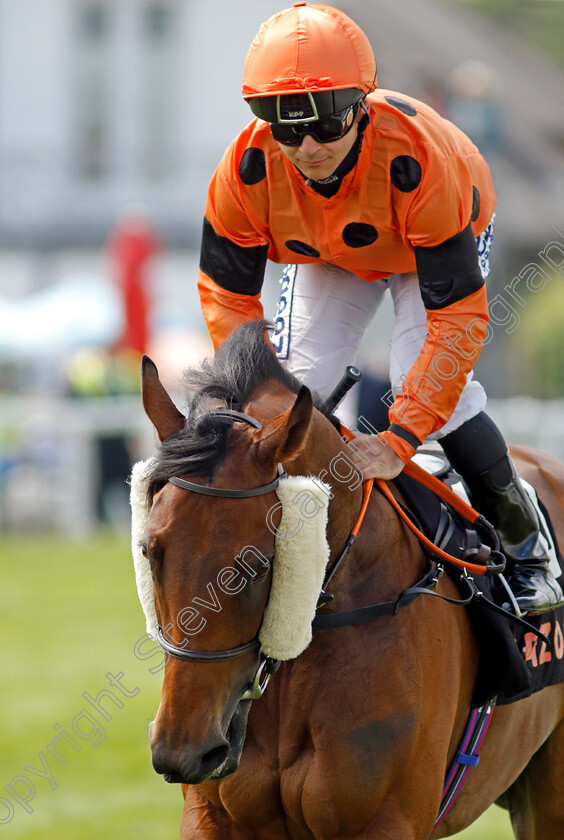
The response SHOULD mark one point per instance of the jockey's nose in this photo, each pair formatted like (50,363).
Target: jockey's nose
(309,145)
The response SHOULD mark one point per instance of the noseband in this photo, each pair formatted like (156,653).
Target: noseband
(267,665)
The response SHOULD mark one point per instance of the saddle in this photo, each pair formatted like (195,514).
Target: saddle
(516,658)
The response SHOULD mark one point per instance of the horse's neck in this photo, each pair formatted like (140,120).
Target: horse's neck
(382,557)
(387,553)
(327,459)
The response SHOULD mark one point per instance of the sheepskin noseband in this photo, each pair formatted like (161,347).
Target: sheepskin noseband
(139,482)
(300,558)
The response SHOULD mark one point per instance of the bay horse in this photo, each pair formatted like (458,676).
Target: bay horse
(353,737)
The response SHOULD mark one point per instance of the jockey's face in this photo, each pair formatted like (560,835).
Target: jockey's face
(319,160)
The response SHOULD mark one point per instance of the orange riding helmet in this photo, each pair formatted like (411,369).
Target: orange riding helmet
(307,62)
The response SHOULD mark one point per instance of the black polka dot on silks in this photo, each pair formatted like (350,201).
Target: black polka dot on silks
(359,234)
(405,173)
(475,204)
(401,105)
(302,248)
(252,168)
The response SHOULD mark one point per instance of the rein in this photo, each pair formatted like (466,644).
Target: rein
(449,496)
(488,568)
(433,571)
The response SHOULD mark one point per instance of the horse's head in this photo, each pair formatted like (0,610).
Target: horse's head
(210,557)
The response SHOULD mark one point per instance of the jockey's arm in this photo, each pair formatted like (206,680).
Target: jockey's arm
(454,296)
(230,281)
(233,258)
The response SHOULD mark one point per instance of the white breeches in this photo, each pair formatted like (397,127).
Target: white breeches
(322,315)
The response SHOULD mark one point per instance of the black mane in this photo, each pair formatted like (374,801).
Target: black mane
(241,364)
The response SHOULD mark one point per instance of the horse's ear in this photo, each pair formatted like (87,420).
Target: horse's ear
(159,407)
(283,437)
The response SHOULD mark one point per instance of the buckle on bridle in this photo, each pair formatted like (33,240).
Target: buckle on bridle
(256,689)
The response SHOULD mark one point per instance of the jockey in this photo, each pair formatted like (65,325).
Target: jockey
(358,190)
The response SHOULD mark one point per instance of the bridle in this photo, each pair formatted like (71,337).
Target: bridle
(267,665)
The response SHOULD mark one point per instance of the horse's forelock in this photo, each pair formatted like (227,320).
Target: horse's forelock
(242,363)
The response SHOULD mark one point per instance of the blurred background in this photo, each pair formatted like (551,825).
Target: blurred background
(113,116)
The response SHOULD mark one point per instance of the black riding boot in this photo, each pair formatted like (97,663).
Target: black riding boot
(509,509)
(496,491)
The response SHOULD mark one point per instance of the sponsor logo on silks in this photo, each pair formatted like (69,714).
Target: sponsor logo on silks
(537,652)
(484,243)
(281,336)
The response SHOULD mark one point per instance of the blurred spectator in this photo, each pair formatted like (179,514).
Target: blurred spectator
(474,104)
(102,373)
(132,246)
(97,372)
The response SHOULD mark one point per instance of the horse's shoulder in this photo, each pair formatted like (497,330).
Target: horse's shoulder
(533,463)
(546,474)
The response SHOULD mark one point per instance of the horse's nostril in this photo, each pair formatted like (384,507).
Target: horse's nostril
(189,765)
(214,758)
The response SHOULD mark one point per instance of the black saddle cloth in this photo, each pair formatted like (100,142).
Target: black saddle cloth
(514,661)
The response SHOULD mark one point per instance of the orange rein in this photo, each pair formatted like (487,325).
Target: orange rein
(440,490)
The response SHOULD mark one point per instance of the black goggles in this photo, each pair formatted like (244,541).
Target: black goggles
(324,130)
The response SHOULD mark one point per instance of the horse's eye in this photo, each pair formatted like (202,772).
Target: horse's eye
(263,568)
(150,553)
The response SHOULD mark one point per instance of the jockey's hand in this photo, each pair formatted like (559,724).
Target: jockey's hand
(374,458)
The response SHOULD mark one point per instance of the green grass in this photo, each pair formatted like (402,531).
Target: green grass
(493,825)
(70,615)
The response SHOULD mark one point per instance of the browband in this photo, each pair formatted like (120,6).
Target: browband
(231,414)
(206,490)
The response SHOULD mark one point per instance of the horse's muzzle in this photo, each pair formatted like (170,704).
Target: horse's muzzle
(187,766)
(190,765)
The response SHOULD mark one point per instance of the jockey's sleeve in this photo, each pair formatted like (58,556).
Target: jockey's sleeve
(232,263)
(454,296)
(230,281)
